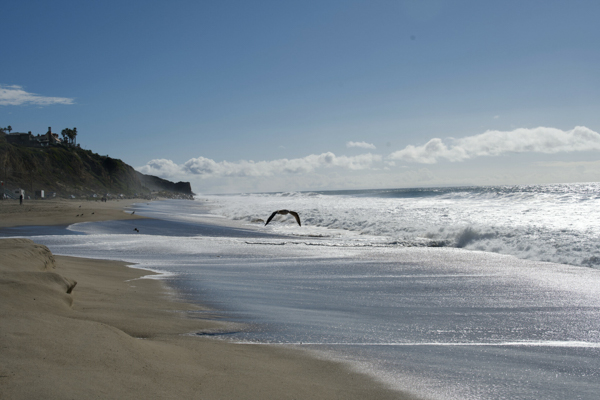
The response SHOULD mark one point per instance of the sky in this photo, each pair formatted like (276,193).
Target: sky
(262,96)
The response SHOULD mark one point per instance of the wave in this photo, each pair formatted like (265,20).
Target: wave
(560,192)
(557,223)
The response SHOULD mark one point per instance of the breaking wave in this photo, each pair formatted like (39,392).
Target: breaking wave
(556,223)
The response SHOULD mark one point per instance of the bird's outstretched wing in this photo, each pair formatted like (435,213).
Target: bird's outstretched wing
(271,217)
(295,214)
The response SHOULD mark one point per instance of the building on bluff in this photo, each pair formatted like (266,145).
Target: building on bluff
(30,140)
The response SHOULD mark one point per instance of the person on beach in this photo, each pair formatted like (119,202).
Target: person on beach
(21,199)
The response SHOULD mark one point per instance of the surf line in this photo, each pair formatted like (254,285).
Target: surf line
(558,343)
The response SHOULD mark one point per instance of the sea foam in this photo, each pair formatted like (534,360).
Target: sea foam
(556,223)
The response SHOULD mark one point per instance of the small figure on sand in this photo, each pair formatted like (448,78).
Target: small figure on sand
(284,212)
(21,199)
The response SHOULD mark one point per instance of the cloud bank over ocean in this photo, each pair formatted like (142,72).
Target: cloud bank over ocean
(207,168)
(329,166)
(495,143)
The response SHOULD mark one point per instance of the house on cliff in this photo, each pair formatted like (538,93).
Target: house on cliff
(30,140)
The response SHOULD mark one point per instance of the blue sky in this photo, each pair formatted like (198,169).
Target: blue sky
(240,96)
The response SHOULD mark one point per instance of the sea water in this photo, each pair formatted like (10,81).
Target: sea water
(441,292)
(556,223)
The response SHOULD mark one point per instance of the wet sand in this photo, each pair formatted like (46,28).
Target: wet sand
(117,336)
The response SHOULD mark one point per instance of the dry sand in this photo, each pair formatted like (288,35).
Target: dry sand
(119,337)
(62,212)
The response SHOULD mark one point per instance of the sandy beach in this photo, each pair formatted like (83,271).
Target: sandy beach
(62,212)
(80,328)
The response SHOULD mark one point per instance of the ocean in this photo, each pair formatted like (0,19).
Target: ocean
(448,293)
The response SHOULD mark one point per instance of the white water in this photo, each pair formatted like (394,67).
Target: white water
(556,223)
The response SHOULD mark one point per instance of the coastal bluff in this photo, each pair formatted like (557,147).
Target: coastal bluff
(67,171)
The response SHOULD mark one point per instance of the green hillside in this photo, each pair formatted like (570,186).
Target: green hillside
(70,170)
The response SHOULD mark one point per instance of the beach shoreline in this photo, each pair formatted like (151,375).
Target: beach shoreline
(63,212)
(118,336)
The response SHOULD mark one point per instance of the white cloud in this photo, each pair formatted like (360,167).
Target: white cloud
(207,168)
(495,143)
(14,95)
(362,145)
(330,171)
(161,167)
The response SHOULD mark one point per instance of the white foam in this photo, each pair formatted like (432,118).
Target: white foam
(557,223)
(569,344)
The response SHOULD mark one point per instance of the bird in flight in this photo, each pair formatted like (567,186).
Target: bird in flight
(284,212)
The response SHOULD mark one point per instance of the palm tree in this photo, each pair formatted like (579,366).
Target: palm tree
(70,134)
(9,128)
(65,134)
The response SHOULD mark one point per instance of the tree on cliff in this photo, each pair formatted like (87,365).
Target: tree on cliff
(65,134)
(69,135)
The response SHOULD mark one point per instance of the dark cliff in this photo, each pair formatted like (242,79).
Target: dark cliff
(157,184)
(69,170)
